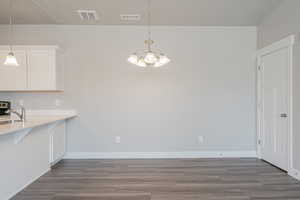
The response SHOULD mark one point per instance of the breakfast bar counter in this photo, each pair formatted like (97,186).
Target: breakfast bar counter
(34,120)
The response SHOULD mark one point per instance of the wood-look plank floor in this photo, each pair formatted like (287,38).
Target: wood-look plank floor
(167,179)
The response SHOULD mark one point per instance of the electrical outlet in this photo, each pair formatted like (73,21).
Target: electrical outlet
(57,102)
(200,139)
(117,139)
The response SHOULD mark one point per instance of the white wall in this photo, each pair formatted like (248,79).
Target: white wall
(280,23)
(207,90)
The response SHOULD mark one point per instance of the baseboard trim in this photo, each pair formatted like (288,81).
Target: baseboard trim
(27,184)
(157,155)
(295,174)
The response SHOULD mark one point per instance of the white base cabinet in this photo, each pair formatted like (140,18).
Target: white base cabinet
(41,68)
(57,142)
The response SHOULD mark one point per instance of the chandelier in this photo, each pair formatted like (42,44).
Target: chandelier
(149,57)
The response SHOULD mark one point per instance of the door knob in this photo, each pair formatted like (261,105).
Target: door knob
(283,115)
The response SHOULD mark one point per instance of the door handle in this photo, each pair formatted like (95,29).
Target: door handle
(283,115)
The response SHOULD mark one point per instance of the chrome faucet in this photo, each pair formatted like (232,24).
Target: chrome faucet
(21,115)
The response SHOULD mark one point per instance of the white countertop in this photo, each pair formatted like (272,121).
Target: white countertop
(35,119)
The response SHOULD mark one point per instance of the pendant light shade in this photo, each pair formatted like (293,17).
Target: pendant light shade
(148,57)
(11,60)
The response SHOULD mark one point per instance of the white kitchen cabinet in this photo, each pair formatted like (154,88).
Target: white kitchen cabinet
(57,142)
(45,69)
(13,77)
(41,69)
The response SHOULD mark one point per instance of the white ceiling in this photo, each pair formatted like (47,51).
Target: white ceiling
(164,12)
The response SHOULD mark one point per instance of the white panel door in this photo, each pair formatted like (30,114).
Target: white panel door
(41,70)
(275,85)
(13,78)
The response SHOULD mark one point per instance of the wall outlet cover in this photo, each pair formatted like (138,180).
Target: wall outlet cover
(57,102)
(200,139)
(117,139)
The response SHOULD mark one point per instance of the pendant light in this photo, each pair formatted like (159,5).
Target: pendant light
(11,59)
(148,57)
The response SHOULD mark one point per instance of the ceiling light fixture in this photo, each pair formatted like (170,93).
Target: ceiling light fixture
(148,57)
(11,59)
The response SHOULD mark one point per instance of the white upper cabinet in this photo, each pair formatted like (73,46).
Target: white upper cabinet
(41,69)
(44,68)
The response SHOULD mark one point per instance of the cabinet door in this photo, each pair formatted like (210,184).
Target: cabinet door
(13,78)
(41,70)
(58,143)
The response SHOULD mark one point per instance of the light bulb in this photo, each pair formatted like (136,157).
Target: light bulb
(162,61)
(141,63)
(11,60)
(150,58)
(133,59)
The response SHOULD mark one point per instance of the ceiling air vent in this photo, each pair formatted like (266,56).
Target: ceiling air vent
(130,17)
(88,15)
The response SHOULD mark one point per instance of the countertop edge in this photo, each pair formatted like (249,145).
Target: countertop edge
(34,121)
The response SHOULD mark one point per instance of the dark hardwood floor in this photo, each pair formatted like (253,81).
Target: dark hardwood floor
(174,179)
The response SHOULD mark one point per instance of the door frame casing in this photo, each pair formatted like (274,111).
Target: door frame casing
(286,43)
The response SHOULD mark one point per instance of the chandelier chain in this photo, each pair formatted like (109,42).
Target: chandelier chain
(10,25)
(149,20)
